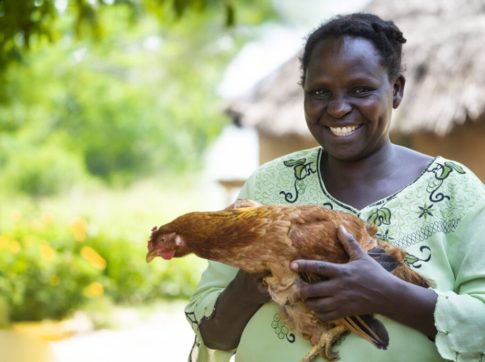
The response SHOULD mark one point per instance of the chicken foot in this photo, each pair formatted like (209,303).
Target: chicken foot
(325,344)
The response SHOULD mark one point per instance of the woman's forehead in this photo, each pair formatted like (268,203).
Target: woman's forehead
(357,48)
(346,53)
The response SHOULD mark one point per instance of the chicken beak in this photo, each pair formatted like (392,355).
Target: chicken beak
(151,254)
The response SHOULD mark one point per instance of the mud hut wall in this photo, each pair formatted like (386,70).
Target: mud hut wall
(271,147)
(465,144)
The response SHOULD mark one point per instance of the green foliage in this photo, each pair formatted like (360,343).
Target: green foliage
(4,319)
(49,269)
(137,98)
(19,22)
(39,281)
(44,171)
(131,280)
(25,22)
(129,104)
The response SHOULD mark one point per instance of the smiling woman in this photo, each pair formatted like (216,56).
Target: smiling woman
(352,81)
(348,95)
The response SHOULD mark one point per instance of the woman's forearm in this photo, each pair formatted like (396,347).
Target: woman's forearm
(413,306)
(234,308)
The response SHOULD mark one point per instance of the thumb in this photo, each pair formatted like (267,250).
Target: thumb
(349,243)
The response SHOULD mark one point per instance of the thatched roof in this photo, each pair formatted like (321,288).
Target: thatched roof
(445,72)
(276,105)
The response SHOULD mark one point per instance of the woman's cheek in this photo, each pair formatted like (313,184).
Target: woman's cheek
(313,110)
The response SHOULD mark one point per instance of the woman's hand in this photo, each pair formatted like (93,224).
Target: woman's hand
(362,286)
(359,286)
(251,287)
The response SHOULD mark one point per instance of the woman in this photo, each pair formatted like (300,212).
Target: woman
(432,207)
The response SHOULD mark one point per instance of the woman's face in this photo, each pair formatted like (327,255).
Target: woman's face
(349,97)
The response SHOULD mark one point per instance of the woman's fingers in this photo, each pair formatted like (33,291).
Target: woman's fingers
(322,268)
(322,305)
(327,269)
(327,307)
(350,244)
(342,288)
(323,289)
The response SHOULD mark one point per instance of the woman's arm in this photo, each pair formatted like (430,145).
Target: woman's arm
(362,286)
(412,305)
(234,308)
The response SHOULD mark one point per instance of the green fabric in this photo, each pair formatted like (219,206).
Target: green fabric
(439,220)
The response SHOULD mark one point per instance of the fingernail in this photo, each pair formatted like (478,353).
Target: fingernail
(294,265)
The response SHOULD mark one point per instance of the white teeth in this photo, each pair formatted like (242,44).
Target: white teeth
(343,131)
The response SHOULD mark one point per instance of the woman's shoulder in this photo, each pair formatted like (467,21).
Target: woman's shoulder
(444,167)
(300,156)
(302,159)
(272,181)
(438,167)
(455,184)
(413,159)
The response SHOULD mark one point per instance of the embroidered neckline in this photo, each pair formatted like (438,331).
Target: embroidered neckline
(379,202)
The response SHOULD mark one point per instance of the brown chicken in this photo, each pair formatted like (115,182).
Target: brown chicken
(266,238)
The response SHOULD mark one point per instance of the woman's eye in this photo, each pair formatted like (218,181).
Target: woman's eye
(361,91)
(320,93)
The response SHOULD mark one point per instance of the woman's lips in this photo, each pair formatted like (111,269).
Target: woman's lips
(344,131)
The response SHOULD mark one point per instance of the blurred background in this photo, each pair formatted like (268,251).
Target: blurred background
(118,115)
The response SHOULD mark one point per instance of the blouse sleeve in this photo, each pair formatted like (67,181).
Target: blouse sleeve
(202,303)
(460,313)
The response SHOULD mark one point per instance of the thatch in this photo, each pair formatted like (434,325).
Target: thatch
(445,61)
(445,72)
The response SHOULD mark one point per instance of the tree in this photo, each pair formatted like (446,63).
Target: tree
(138,97)
(22,22)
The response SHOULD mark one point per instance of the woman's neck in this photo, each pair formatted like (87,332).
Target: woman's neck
(373,167)
(362,182)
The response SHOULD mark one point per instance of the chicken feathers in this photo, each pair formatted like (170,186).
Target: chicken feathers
(266,238)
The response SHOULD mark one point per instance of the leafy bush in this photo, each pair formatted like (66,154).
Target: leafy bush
(43,274)
(129,279)
(4,320)
(49,269)
(42,171)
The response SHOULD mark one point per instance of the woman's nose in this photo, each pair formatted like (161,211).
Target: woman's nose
(338,107)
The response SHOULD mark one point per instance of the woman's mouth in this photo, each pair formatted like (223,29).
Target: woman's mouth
(344,131)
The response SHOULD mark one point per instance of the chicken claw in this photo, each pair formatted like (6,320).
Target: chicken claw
(324,345)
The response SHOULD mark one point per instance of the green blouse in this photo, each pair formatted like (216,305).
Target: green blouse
(439,220)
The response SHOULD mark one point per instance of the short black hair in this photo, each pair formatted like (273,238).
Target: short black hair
(385,35)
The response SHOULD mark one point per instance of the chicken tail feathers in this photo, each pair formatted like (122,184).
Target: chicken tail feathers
(369,328)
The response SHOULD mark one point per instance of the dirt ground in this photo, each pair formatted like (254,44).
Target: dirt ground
(164,336)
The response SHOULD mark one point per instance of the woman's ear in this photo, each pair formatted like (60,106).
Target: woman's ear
(398,91)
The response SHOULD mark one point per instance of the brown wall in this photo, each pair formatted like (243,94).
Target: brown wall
(466,144)
(273,147)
